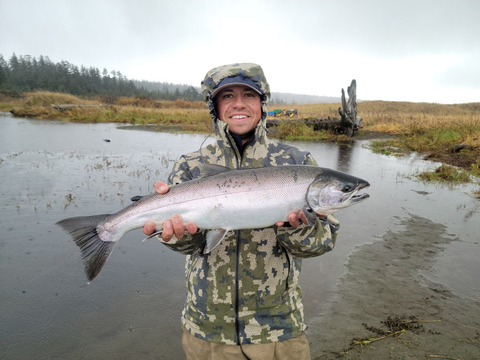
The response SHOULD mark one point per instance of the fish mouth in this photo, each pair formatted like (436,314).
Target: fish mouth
(348,199)
(352,197)
(357,198)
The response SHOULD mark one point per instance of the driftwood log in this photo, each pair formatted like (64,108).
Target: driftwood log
(347,124)
(317,123)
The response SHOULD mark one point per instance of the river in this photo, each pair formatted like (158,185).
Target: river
(51,170)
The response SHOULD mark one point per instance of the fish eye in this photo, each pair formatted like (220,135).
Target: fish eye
(347,188)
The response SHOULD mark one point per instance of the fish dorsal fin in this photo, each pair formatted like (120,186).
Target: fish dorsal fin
(212,169)
(214,237)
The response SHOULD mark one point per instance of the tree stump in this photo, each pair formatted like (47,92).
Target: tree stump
(347,124)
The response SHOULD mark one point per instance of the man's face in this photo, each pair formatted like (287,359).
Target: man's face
(240,107)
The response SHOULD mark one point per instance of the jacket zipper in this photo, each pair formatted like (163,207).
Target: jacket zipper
(237,288)
(238,158)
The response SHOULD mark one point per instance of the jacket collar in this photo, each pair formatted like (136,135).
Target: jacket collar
(222,132)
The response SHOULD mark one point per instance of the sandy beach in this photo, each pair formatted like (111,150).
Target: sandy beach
(383,293)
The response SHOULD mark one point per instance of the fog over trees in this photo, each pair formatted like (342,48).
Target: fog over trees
(25,73)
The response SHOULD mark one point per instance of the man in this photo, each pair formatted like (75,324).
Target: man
(243,298)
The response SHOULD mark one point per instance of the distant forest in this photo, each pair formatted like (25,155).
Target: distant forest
(26,73)
(289,98)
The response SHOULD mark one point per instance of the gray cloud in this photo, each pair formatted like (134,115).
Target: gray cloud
(385,28)
(165,40)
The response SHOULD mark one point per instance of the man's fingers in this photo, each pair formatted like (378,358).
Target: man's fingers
(149,228)
(161,187)
(178,228)
(191,227)
(167,232)
(293,219)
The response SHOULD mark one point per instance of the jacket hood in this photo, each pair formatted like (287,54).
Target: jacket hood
(250,71)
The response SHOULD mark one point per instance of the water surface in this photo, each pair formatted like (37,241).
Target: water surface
(52,170)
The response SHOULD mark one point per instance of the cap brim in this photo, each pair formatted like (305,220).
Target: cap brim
(217,90)
(236,81)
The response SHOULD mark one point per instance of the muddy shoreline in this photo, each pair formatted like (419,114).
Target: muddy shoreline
(384,280)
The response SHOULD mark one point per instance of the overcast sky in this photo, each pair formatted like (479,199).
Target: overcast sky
(408,50)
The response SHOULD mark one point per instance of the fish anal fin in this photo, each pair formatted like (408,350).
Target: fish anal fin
(214,238)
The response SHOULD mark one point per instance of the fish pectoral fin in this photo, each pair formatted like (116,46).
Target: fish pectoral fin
(310,215)
(214,238)
(152,235)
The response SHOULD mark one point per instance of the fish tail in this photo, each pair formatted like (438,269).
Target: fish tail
(95,251)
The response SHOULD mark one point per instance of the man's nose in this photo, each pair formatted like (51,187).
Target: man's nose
(238,102)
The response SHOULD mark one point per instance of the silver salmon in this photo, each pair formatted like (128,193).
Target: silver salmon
(219,201)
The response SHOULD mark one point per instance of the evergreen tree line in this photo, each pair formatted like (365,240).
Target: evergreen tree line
(169,89)
(26,73)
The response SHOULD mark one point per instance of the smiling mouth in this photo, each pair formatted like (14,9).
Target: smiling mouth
(239,117)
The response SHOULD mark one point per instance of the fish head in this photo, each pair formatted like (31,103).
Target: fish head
(334,190)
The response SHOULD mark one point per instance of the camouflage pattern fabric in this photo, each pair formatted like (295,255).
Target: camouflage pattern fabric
(246,290)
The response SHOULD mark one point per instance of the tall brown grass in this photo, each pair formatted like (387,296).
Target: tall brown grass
(190,116)
(433,123)
(405,118)
(458,123)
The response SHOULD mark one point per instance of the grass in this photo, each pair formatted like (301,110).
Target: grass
(446,173)
(192,117)
(387,147)
(299,131)
(449,134)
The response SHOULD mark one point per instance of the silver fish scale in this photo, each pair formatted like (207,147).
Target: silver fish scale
(236,199)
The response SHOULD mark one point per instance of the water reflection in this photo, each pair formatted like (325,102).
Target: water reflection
(345,152)
(53,170)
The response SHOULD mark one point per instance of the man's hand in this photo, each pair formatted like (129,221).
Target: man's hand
(170,227)
(294,219)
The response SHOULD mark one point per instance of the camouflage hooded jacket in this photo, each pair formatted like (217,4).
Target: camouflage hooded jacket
(246,290)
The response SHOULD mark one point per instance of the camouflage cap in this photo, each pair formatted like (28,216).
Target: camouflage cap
(246,73)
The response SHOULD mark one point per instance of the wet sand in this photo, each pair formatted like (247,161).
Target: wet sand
(384,280)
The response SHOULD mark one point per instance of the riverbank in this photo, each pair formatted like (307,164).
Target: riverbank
(448,134)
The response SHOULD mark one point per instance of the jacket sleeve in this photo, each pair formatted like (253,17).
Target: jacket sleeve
(309,241)
(305,241)
(188,244)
